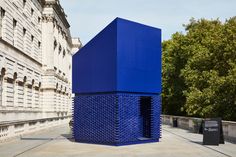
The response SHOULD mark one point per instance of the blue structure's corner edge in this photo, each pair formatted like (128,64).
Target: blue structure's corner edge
(138,142)
(120,144)
(139,23)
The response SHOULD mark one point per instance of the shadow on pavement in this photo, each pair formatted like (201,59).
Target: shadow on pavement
(212,148)
(36,138)
(42,138)
(197,142)
(69,137)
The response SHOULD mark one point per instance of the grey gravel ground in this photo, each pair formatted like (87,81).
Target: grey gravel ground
(55,143)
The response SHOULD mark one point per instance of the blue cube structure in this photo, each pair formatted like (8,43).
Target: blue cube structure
(117,85)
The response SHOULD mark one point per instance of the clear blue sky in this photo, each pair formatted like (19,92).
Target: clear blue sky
(89,17)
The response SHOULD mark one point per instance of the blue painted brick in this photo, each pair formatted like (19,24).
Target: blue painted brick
(113,118)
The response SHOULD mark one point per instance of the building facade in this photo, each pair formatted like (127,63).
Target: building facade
(35,60)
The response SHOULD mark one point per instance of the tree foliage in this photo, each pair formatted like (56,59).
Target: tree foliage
(199,70)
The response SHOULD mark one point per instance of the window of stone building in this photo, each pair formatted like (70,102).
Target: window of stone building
(55,44)
(2,15)
(63,35)
(10,92)
(32,38)
(33,95)
(1,89)
(59,29)
(20,98)
(60,48)
(25,92)
(24,32)
(39,48)
(2,85)
(37,97)
(14,23)
(39,20)
(14,31)
(39,45)
(24,37)
(29,95)
(32,12)
(15,92)
(32,44)
(24,3)
(64,53)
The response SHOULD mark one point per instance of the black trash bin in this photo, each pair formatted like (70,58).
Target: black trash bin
(175,122)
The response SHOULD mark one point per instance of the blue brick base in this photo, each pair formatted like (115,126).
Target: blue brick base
(117,119)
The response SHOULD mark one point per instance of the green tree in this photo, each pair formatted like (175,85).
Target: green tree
(202,64)
(173,60)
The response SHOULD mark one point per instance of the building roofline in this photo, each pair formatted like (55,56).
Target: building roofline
(55,4)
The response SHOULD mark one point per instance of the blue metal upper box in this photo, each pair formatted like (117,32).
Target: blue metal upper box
(123,57)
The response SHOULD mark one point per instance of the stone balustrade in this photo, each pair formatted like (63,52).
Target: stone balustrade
(193,124)
(14,129)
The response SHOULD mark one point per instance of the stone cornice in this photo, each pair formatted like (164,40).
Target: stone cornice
(58,9)
(76,43)
(47,18)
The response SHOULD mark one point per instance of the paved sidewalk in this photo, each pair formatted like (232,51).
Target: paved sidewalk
(54,143)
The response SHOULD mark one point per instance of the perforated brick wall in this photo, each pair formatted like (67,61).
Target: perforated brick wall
(115,119)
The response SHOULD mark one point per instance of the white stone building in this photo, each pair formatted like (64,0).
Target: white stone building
(35,60)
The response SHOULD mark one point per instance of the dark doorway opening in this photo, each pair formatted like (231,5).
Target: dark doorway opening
(145,116)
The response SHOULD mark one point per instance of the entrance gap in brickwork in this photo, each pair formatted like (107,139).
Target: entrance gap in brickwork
(145,116)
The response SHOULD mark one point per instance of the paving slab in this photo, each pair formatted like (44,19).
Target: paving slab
(56,142)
